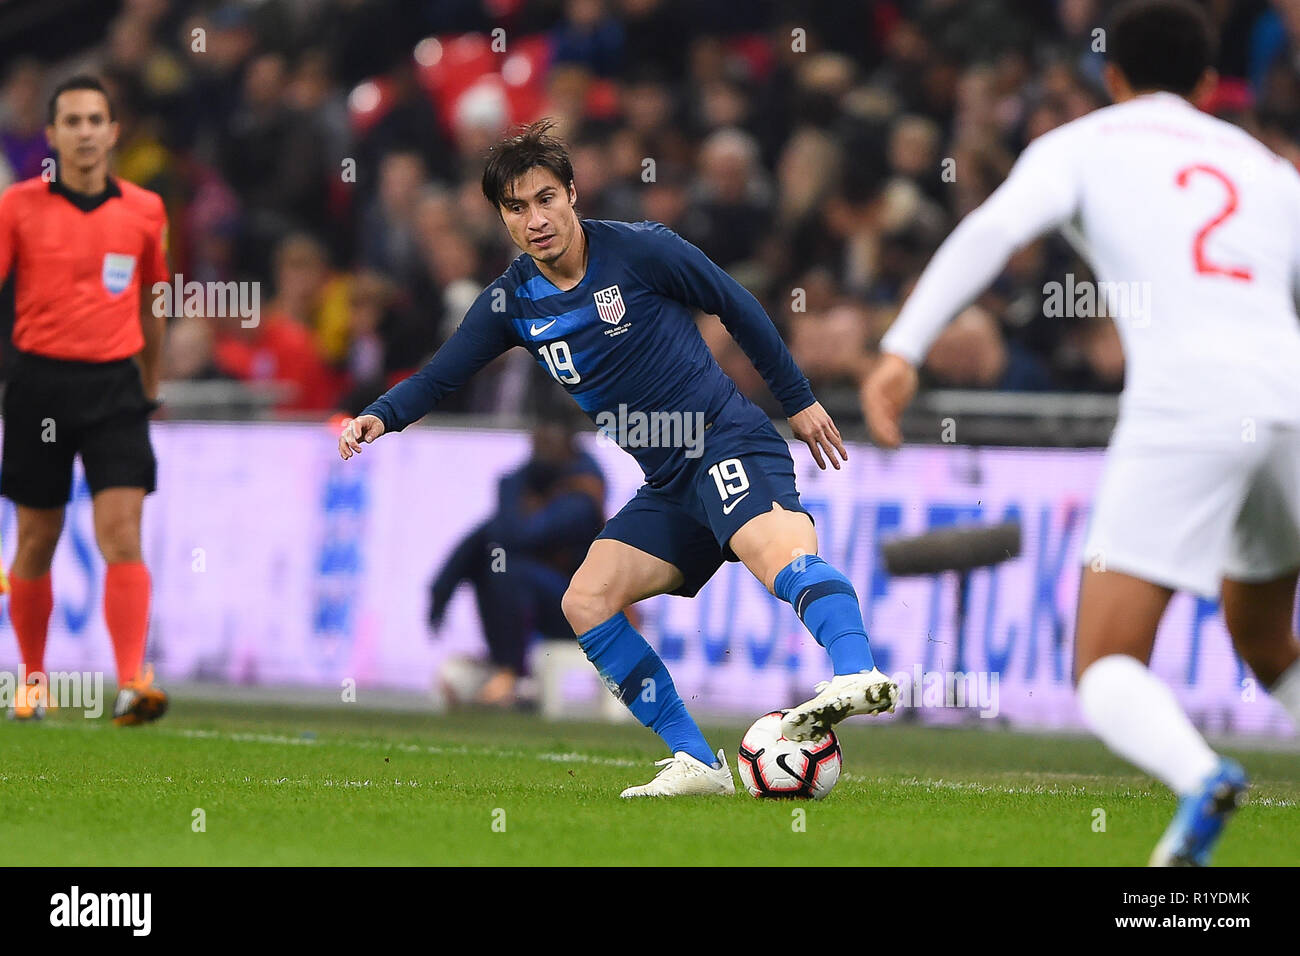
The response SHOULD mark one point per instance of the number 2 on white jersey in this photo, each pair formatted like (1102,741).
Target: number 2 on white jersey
(1203,264)
(559,362)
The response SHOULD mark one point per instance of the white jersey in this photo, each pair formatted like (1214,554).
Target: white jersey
(1190,224)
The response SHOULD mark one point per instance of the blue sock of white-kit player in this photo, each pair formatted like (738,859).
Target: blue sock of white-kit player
(633,671)
(828,606)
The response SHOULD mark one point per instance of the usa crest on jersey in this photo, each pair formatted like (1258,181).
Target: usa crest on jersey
(609,303)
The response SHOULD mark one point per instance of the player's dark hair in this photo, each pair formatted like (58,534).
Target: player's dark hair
(531,148)
(82,81)
(1161,44)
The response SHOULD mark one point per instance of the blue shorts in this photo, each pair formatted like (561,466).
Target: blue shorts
(688,521)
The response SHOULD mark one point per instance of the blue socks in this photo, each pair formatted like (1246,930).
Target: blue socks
(633,671)
(822,597)
(828,606)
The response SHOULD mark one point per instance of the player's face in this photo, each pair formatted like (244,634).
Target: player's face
(539,213)
(82,133)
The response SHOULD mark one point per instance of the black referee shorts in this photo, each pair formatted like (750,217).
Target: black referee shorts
(55,410)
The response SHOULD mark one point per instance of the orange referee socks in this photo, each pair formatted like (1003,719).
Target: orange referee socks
(126,612)
(30,602)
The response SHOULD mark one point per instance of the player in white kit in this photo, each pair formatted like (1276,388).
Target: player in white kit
(1192,228)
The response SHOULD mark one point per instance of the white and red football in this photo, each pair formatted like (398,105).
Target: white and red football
(773,767)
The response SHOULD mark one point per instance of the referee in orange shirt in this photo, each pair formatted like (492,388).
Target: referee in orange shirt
(85,380)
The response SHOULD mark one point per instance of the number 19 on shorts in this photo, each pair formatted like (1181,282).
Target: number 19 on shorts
(729,475)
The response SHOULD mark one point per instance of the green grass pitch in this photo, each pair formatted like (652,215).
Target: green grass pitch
(286,785)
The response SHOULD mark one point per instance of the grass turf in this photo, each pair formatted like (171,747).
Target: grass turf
(285,785)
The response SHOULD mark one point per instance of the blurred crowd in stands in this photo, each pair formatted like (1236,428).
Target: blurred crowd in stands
(818,150)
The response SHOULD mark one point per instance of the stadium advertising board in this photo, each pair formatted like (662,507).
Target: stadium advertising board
(276,563)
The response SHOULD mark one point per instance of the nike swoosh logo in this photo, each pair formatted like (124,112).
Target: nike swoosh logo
(728,509)
(536,331)
(785,765)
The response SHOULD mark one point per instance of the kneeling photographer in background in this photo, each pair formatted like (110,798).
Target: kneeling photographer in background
(519,561)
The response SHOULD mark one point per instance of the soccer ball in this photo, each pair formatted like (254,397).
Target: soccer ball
(776,768)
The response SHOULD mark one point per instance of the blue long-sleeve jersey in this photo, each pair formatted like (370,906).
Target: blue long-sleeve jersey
(624,336)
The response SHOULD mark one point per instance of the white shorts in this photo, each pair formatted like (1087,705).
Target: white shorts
(1187,514)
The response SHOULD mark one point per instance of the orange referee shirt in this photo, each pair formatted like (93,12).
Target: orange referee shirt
(81,262)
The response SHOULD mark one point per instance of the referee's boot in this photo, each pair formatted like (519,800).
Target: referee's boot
(139,701)
(31,700)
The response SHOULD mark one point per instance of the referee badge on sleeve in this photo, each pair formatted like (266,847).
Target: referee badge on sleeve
(118,270)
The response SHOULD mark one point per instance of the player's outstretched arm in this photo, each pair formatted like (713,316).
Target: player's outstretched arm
(153,321)
(1040,194)
(149,358)
(8,231)
(365,428)
(886,392)
(480,337)
(814,427)
(679,270)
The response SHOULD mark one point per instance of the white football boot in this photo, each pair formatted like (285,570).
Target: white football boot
(867,692)
(684,776)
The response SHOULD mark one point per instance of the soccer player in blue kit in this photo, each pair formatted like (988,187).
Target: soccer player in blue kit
(608,310)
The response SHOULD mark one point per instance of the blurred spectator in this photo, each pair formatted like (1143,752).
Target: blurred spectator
(205,235)
(810,164)
(188,350)
(833,160)
(274,156)
(832,346)
(971,353)
(22,129)
(656,35)
(388,230)
(589,36)
(142,156)
(914,153)
(281,347)
(1093,357)
(408,123)
(1105,355)
(278,352)
(159,73)
(733,198)
(372,297)
(667,200)
(216,45)
(307,292)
